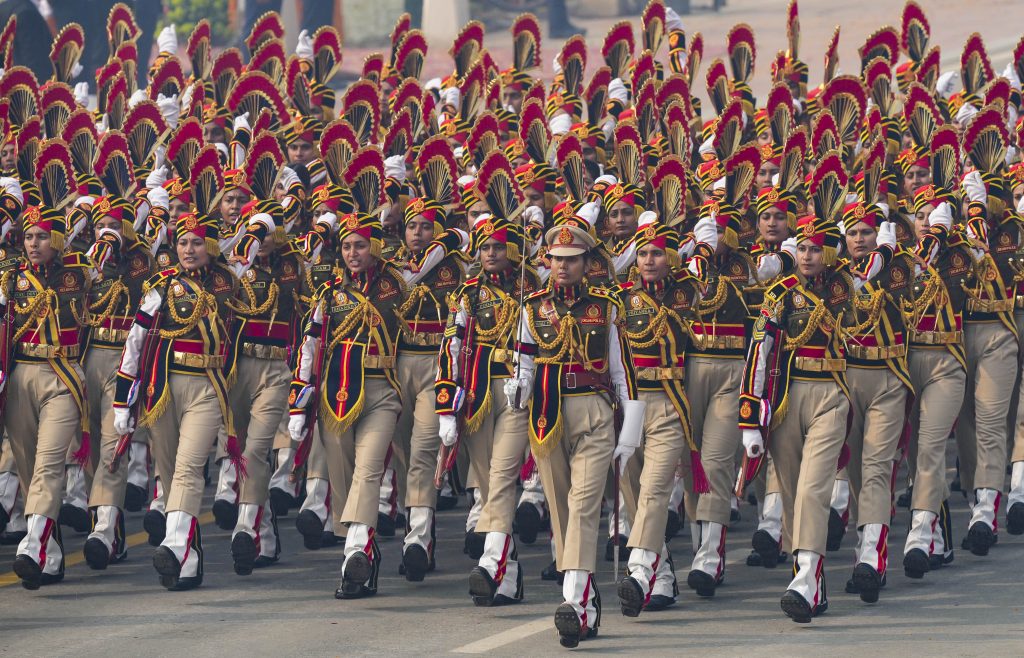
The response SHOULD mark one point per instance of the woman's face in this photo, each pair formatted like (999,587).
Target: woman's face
(419,233)
(37,246)
(192,253)
(567,270)
(231,205)
(622,220)
(494,256)
(810,259)
(653,263)
(764,175)
(355,251)
(921,220)
(916,177)
(861,240)
(773,226)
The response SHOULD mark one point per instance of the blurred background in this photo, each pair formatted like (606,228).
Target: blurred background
(365,26)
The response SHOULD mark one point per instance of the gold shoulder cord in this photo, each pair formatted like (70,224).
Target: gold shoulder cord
(251,309)
(504,318)
(206,302)
(932,293)
(110,299)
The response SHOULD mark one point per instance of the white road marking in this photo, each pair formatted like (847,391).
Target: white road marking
(507,637)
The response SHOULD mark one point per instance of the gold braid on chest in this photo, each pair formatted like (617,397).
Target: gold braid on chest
(567,337)
(205,303)
(357,318)
(655,330)
(933,292)
(504,318)
(251,309)
(713,304)
(39,308)
(107,302)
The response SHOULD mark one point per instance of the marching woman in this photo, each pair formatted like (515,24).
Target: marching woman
(423,318)
(574,370)
(43,301)
(265,314)
(171,380)
(123,264)
(794,383)
(345,371)
(475,363)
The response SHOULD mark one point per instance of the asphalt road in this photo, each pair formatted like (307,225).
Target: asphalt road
(970,608)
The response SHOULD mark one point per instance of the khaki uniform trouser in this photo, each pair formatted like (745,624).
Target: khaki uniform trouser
(805,448)
(282,439)
(362,451)
(573,477)
(496,455)
(259,397)
(981,427)
(316,468)
(647,497)
(878,402)
(713,389)
(42,420)
(939,382)
(416,436)
(7,463)
(100,381)
(182,438)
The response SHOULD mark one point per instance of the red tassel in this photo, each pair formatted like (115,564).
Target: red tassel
(234,450)
(81,455)
(844,458)
(527,470)
(700,478)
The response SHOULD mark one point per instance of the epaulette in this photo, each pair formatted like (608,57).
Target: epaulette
(159,279)
(538,295)
(606,293)
(396,273)
(778,290)
(75,259)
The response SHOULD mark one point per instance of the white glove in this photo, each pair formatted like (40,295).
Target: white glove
(304,46)
(513,386)
(617,91)
(186,96)
(556,66)
(328,219)
(647,217)
(965,114)
(975,188)
(883,208)
(297,426)
(169,109)
(672,20)
(451,96)
(77,69)
(886,235)
(167,40)
(947,83)
(159,198)
(533,215)
(241,122)
(123,423)
(137,97)
(942,215)
(590,211)
(394,167)
(706,231)
(288,178)
(449,430)
(560,124)
(753,442)
(156,178)
(789,246)
(621,455)
(82,94)
(11,186)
